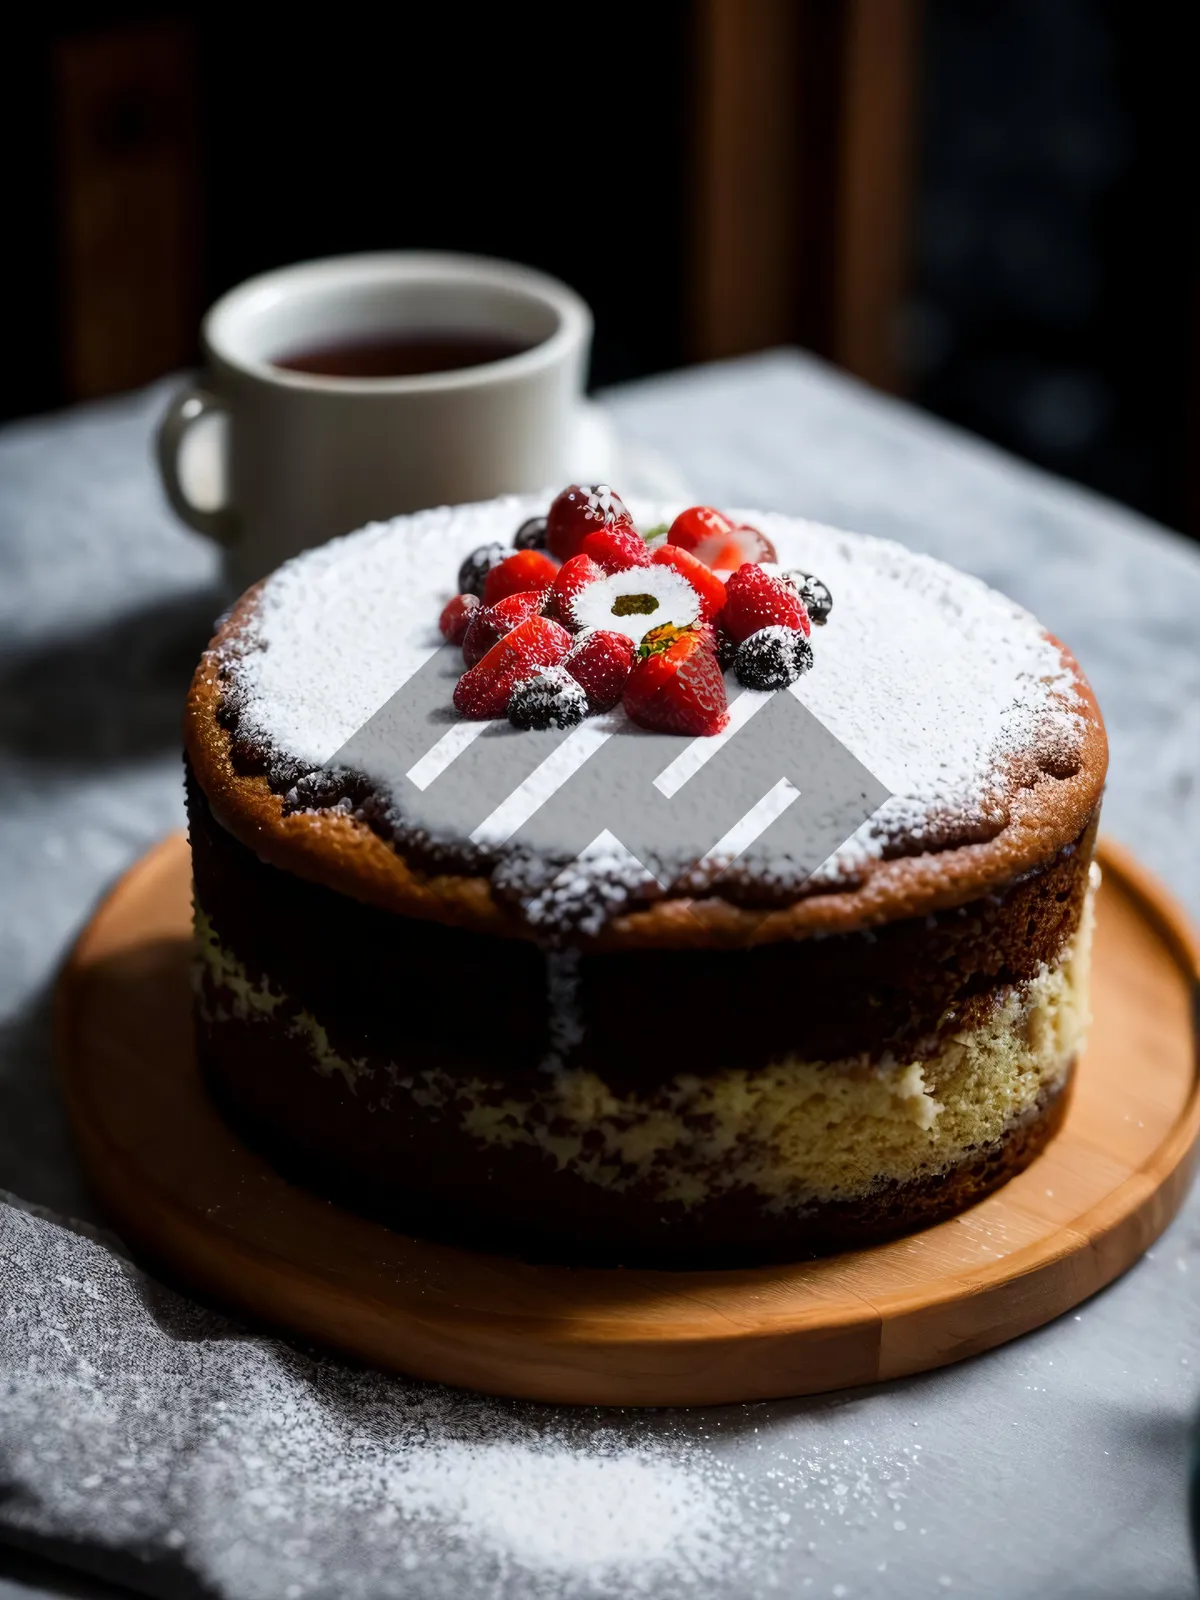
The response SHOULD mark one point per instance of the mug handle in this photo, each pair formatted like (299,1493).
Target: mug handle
(186,408)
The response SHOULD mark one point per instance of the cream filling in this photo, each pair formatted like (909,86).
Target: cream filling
(798,1132)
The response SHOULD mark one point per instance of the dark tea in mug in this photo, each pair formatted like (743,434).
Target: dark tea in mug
(401,355)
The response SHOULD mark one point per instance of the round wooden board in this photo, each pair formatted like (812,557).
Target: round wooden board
(216,1217)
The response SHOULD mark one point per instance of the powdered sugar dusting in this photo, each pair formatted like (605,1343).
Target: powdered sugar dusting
(139,1425)
(932,680)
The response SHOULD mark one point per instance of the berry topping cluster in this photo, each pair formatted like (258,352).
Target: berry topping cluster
(586,613)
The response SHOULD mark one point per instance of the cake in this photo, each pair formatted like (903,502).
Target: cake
(756,934)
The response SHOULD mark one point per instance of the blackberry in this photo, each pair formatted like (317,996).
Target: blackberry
(472,575)
(552,699)
(773,657)
(531,535)
(818,601)
(727,649)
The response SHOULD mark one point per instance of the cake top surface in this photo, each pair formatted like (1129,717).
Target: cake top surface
(950,696)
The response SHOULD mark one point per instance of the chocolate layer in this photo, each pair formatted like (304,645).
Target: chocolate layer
(468,1002)
(422,1174)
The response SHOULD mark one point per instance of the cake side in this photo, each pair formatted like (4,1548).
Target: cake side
(545,1102)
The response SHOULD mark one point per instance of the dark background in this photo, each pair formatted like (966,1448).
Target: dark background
(1044,219)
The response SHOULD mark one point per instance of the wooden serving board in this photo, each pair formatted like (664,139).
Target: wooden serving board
(214,1216)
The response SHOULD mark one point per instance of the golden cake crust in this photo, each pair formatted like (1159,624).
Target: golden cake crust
(1048,803)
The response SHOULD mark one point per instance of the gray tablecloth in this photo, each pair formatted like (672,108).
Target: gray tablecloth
(146,1439)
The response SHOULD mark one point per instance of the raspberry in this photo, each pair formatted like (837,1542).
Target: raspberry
(531,535)
(578,511)
(472,575)
(550,700)
(678,687)
(573,577)
(600,662)
(484,691)
(818,601)
(703,579)
(491,623)
(456,617)
(616,548)
(773,657)
(527,569)
(754,600)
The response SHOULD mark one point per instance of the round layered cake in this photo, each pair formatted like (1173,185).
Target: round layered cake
(774,944)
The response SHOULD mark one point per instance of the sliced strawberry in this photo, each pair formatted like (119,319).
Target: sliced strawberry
(715,539)
(696,525)
(574,574)
(725,553)
(678,688)
(754,600)
(490,623)
(456,617)
(526,569)
(616,548)
(578,511)
(600,662)
(703,579)
(484,690)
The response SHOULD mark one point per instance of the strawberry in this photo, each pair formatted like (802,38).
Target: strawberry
(735,549)
(678,686)
(703,579)
(490,623)
(754,600)
(600,662)
(711,537)
(456,617)
(574,574)
(578,511)
(484,691)
(526,569)
(697,524)
(616,548)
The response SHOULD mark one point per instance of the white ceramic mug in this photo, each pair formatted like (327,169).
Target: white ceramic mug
(291,458)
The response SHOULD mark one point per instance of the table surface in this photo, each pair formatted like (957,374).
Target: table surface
(1054,1467)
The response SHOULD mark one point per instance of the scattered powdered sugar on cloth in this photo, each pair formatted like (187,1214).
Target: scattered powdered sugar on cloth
(152,1441)
(931,679)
